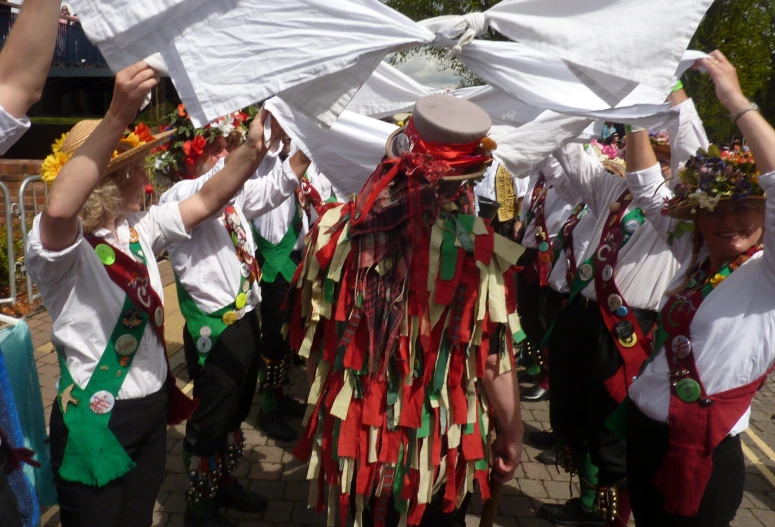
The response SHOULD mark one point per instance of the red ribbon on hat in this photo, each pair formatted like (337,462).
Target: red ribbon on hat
(457,155)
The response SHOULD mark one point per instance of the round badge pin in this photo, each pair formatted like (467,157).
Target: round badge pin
(229,318)
(204,345)
(622,311)
(241,313)
(545,258)
(241,300)
(102,402)
(586,272)
(125,345)
(246,286)
(614,302)
(132,319)
(205,331)
(569,277)
(133,236)
(608,272)
(631,226)
(250,297)
(615,207)
(244,270)
(158,316)
(629,342)
(682,347)
(688,390)
(543,247)
(106,254)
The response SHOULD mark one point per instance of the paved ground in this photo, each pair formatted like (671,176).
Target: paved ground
(270,469)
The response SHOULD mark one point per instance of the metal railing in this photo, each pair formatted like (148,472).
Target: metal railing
(30,181)
(73,48)
(9,243)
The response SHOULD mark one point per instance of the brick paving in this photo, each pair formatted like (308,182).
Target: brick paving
(270,469)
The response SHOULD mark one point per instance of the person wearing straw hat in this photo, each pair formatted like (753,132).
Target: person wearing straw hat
(217,278)
(405,307)
(714,331)
(91,254)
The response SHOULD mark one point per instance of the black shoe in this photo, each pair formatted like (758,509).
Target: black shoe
(571,514)
(275,426)
(290,407)
(535,394)
(542,439)
(212,518)
(548,457)
(236,497)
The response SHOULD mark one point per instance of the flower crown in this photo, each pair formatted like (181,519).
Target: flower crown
(54,162)
(187,144)
(708,178)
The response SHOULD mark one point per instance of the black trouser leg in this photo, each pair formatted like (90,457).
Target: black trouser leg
(225,385)
(9,509)
(140,425)
(647,443)
(274,317)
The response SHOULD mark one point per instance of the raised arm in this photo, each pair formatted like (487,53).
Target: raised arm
(224,185)
(27,54)
(757,131)
(588,175)
(81,174)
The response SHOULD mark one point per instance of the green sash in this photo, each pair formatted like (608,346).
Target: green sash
(93,455)
(277,256)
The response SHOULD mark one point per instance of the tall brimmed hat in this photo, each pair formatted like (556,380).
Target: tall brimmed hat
(140,139)
(660,142)
(450,130)
(707,178)
(610,156)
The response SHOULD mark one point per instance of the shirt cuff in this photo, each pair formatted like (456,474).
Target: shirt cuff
(766,181)
(647,177)
(11,129)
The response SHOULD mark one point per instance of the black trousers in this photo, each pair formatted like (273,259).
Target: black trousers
(273,316)
(9,508)
(140,425)
(647,443)
(583,356)
(529,301)
(225,385)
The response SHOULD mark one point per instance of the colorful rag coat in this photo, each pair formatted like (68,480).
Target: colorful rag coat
(398,299)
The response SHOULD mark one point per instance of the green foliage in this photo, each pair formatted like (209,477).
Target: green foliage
(743,31)
(18,250)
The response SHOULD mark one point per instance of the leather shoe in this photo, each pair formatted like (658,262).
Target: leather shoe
(535,394)
(275,426)
(213,518)
(542,439)
(571,514)
(236,497)
(548,457)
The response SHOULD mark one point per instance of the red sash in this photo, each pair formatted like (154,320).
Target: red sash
(629,339)
(567,240)
(133,278)
(699,426)
(543,262)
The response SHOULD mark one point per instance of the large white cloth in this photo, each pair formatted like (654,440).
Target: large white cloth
(85,304)
(733,333)
(317,54)
(347,153)
(11,129)
(207,264)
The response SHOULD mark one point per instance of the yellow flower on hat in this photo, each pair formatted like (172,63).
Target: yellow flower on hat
(57,146)
(134,140)
(52,165)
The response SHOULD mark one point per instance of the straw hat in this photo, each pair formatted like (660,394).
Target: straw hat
(444,120)
(68,144)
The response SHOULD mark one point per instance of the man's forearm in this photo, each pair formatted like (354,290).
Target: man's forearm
(503,394)
(27,54)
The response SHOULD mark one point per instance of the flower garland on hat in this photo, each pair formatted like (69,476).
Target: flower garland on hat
(182,152)
(708,178)
(54,162)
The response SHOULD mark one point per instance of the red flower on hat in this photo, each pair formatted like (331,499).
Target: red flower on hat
(148,189)
(195,147)
(181,110)
(144,133)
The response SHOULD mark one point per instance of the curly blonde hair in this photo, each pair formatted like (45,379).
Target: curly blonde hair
(106,201)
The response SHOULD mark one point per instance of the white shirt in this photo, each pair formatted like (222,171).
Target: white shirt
(687,134)
(556,210)
(645,265)
(207,265)
(11,129)
(733,332)
(85,304)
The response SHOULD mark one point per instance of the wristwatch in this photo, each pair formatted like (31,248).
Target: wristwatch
(737,115)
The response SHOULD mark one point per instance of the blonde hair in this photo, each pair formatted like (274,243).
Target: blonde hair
(105,202)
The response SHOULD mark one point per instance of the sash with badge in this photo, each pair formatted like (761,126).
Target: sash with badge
(542,265)
(207,328)
(93,455)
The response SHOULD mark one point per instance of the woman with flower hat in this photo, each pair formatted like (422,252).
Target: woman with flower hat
(91,255)
(713,341)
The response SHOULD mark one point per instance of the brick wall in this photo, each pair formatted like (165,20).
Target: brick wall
(12,173)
